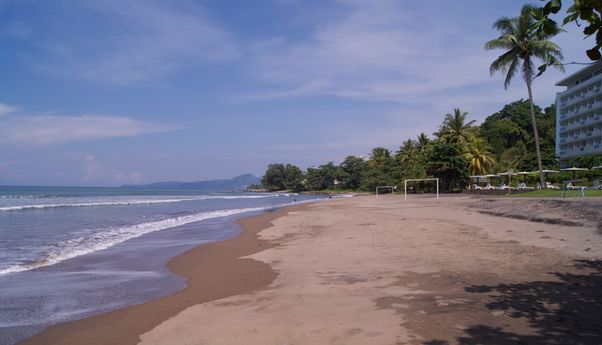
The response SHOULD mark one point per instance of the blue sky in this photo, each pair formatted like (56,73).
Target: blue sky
(106,92)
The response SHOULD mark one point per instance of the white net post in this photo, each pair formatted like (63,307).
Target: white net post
(392,188)
(405,185)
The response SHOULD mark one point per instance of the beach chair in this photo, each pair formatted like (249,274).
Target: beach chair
(476,187)
(503,187)
(523,186)
(488,186)
(551,186)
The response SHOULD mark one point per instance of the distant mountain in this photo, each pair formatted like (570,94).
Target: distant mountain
(236,183)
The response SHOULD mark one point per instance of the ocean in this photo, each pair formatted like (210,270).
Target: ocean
(71,252)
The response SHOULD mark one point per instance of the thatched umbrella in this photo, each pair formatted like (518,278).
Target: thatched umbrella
(574,170)
(525,174)
(490,176)
(546,171)
(477,177)
(508,173)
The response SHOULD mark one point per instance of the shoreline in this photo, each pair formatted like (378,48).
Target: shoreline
(212,271)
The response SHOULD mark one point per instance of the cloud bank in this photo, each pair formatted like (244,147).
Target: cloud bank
(138,40)
(58,129)
(7,109)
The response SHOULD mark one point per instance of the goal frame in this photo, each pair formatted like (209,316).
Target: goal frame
(393,189)
(405,185)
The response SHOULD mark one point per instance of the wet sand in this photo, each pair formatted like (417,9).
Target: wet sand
(213,271)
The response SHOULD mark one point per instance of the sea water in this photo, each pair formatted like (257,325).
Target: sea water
(68,253)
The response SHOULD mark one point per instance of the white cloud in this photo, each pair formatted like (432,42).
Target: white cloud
(7,109)
(58,129)
(391,51)
(140,40)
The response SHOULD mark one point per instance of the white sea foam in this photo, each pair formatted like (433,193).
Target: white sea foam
(130,202)
(112,236)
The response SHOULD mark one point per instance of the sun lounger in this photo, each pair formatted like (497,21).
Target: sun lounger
(488,187)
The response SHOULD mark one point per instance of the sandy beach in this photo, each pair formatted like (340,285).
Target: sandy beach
(377,270)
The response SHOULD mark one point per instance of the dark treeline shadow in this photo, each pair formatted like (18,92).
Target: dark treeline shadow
(564,312)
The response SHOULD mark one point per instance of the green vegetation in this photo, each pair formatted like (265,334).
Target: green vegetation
(586,11)
(502,142)
(551,193)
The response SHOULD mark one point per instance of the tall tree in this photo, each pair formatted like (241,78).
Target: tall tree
(455,129)
(522,44)
(379,158)
(293,178)
(446,162)
(407,152)
(478,154)
(274,177)
(351,172)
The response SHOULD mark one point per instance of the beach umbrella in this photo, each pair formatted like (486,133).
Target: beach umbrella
(547,171)
(574,170)
(508,173)
(525,174)
(490,176)
(598,167)
(476,177)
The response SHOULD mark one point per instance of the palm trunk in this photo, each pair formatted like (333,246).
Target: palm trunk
(536,136)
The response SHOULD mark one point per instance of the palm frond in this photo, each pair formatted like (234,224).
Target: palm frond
(512,69)
(502,42)
(505,25)
(504,61)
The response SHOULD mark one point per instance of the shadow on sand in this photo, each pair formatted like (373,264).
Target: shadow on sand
(567,311)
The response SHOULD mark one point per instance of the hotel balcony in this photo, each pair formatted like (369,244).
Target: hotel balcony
(580,124)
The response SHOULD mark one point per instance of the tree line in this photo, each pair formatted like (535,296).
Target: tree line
(458,149)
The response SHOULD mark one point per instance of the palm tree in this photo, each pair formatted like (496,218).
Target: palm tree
(422,141)
(478,154)
(455,129)
(407,151)
(523,44)
(379,157)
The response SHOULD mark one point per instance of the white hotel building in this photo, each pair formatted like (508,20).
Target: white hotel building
(579,114)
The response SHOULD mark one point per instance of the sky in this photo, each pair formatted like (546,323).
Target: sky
(109,92)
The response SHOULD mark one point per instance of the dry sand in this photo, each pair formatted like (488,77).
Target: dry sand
(376,270)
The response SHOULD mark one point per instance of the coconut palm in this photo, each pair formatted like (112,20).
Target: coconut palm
(455,129)
(379,157)
(407,152)
(478,154)
(522,44)
(422,141)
